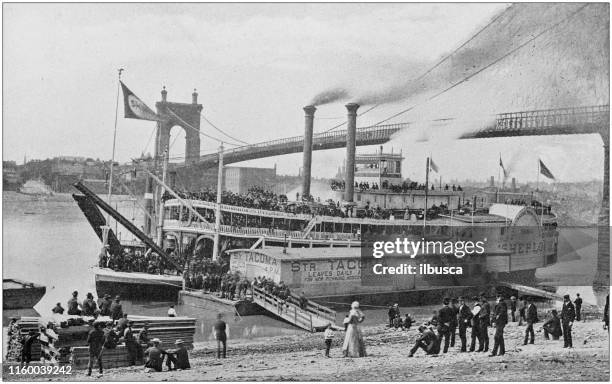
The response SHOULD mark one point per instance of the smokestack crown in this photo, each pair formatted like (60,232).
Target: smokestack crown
(310,110)
(352,107)
(194,97)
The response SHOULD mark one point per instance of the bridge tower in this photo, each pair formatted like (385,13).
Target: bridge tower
(184,115)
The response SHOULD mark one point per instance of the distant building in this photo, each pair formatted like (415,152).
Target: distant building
(235,179)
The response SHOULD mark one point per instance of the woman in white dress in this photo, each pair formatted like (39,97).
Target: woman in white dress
(353,340)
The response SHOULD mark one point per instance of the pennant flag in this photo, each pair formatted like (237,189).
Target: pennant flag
(501,164)
(134,108)
(433,166)
(545,171)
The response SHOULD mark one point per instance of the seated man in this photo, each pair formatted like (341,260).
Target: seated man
(179,357)
(428,341)
(154,356)
(553,326)
(407,322)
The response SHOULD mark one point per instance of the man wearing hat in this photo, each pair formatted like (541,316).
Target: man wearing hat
(73,304)
(427,341)
(89,305)
(95,340)
(130,343)
(552,326)
(500,318)
(143,338)
(513,307)
(445,318)
(485,321)
(110,336)
(154,356)
(105,305)
(179,358)
(463,319)
(568,314)
(116,311)
(531,316)
(220,332)
(476,326)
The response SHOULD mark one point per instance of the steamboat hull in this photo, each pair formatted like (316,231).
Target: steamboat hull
(137,286)
(18,294)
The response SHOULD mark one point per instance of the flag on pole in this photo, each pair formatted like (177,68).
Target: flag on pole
(134,108)
(501,164)
(545,171)
(433,166)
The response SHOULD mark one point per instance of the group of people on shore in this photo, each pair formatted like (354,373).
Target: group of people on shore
(437,334)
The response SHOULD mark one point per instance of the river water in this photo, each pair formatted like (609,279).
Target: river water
(48,241)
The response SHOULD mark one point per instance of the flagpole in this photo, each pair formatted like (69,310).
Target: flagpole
(426,193)
(110,177)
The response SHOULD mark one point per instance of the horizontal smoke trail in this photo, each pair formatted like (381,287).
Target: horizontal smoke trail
(330,96)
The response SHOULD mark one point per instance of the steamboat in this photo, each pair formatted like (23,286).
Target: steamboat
(317,247)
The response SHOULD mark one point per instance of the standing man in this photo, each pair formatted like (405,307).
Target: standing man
(513,307)
(485,321)
(445,318)
(220,332)
(476,326)
(453,324)
(522,308)
(463,319)
(95,340)
(89,305)
(500,318)
(116,311)
(578,304)
(568,314)
(130,343)
(73,304)
(26,349)
(391,315)
(531,316)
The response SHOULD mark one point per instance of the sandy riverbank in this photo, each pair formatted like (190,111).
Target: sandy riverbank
(301,358)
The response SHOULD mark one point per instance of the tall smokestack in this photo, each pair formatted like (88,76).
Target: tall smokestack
(307,164)
(492,182)
(351,126)
(514,184)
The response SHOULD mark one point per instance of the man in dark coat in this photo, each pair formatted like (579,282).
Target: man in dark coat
(155,356)
(476,327)
(568,315)
(116,311)
(391,315)
(95,340)
(73,304)
(179,358)
(531,316)
(553,326)
(453,325)
(105,305)
(89,305)
(220,332)
(428,341)
(130,343)
(122,324)
(500,319)
(58,309)
(445,318)
(463,319)
(485,321)
(26,349)
(110,336)
(578,306)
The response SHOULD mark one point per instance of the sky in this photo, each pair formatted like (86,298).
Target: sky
(256,65)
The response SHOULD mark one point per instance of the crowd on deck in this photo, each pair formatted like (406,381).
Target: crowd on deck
(339,185)
(135,260)
(256,197)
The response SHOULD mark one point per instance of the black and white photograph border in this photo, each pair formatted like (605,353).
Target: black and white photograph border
(306,192)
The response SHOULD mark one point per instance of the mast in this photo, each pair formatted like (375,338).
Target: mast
(218,210)
(106,228)
(160,213)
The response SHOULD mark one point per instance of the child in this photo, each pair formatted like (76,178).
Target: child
(329,336)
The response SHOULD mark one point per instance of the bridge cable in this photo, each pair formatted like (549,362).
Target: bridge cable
(220,130)
(445,58)
(568,17)
(200,132)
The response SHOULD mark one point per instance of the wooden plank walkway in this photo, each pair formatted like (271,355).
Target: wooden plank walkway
(313,318)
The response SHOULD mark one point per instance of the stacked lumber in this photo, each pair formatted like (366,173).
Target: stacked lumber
(111,358)
(167,329)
